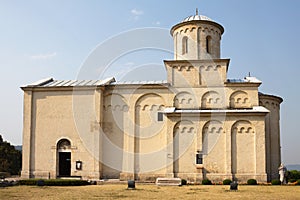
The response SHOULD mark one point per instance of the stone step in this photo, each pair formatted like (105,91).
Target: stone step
(70,177)
(168,181)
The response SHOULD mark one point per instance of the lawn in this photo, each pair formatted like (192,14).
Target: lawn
(119,191)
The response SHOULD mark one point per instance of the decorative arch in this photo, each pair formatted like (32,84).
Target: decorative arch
(149,126)
(184,126)
(63,145)
(157,100)
(211,132)
(211,99)
(239,99)
(242,146)
(184,100)
(184,133)
(243,126)
(209,68)
(115,102)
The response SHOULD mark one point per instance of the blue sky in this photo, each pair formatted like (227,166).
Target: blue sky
(53,38)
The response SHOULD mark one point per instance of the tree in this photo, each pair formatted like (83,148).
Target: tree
(10,158)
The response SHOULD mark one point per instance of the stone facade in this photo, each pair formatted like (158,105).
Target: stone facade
(197,124)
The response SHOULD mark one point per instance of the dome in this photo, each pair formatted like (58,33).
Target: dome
(197,17)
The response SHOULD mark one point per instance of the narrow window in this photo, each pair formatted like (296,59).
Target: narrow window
(199,159)
(160,116)
(184,45)
(208,44)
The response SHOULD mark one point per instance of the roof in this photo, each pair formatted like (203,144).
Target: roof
(255,109)
(50,82)
(271,96)
(197,17)
(139,82)
(245,80)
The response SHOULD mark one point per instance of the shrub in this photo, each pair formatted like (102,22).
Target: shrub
(298,182)
(293,175)
(251,182)
(206,182)
(54,182)
(227,182)
(276,182)
(183,182)
(28,182)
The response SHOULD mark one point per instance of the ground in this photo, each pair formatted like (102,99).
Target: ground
(119,191)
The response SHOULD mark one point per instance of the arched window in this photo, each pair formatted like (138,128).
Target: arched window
(64,145)
(184,45)
(208,44)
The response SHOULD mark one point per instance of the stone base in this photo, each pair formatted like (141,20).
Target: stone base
(243,178)
(89,175)
(126,176)
(217,177)
(52,175)
(41,174)
(26,175)
(147,177)
(190,177)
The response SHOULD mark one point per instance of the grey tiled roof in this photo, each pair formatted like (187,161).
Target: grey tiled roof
(50,82)
(139,82)
(197,17)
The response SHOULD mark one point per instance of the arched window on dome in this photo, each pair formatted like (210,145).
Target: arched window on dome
(184,45)
(208,44)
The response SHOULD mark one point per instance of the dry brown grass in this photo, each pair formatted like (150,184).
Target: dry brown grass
(150,192)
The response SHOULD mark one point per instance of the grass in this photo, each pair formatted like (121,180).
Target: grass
(150,192)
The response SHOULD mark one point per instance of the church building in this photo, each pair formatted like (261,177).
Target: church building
(196,124)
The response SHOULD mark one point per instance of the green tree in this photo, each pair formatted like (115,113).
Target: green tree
(10,158)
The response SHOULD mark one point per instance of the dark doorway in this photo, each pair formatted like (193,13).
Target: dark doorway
(64,163)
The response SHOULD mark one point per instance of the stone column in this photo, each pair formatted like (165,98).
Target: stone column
(98,133)
(228,152)
(169,146)
(260,150)
(27,129)
(128,144)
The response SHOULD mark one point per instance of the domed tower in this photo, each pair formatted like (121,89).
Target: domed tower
(197,37)
(197,47)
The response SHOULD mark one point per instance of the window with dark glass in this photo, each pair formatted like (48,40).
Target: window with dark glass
(208,44)
(184,45)
(160,116)
(199,159)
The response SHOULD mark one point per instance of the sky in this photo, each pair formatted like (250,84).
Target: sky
(54,38)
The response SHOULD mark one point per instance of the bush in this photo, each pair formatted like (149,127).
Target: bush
(183,182)
(293,175)
(298,182)
(54,182)
(276,182)
(28,182)
(251,182)
(206,182)
(227,182)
